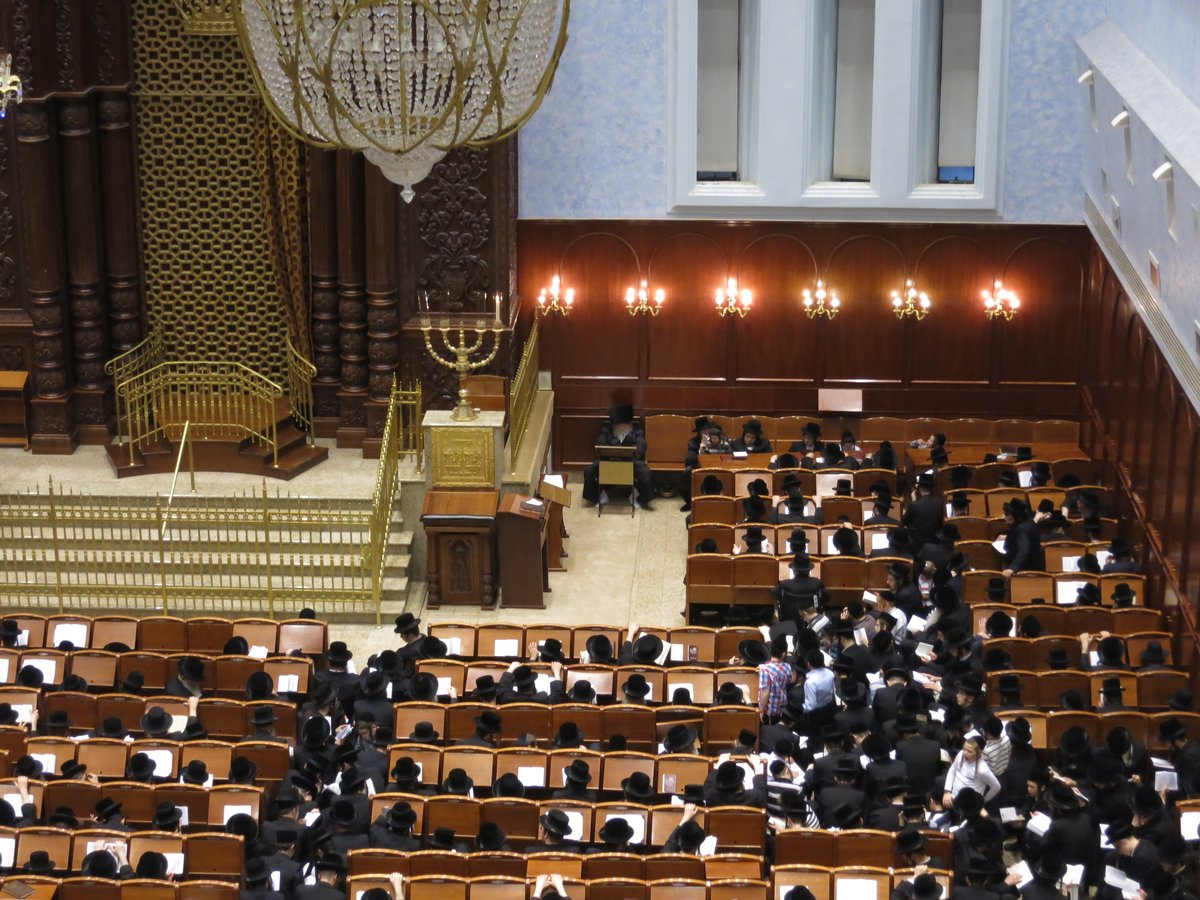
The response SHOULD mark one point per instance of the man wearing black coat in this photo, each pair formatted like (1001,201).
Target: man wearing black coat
(724,785)
(1023,542)
(841,793)
(787,593)
(921,755)
(923,516)
(331,873)
(393,829)
(620,431)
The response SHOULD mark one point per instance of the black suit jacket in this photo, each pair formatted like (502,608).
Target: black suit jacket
(1023,548)
(923,758)
(923,517)
(830,798)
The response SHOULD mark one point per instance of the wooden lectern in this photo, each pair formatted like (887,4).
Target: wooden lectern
(521,540)
(461,564)
(553,489)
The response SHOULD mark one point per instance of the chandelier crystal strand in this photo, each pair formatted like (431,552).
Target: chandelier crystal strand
(404,80)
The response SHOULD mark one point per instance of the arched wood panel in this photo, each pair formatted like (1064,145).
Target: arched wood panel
(696,345)
(1041,345)
(599,266)
(865,269)
(954,342)
(777,341)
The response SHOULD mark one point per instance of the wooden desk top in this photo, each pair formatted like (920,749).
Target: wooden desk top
(480,504)
(966,454)
(726,461)
(12,381)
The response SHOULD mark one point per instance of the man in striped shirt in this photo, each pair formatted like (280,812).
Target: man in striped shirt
(998,749)
(774,678)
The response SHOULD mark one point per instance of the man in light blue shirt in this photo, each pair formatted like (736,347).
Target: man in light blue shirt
(818,692)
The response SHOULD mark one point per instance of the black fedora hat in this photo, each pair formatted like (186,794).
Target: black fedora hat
(141,767)
(485,686)
(458,782)
(166,816)
(156,722)
(636,686)
(647,648)
(406,622)
(582,692)
(555,822)
(578,772)
(490,837)
(599,648)
(488,722)
(508,785)
(678,739)
(638,786)
(616,831)
(191,668)
(754,652)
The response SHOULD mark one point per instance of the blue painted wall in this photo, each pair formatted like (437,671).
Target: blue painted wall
(597,146)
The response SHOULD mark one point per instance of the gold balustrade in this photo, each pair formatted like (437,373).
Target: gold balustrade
(133,361)
(522,392)
(300,373)
(242,555)
(223,400)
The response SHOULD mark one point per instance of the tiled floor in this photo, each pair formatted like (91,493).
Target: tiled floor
(621,569)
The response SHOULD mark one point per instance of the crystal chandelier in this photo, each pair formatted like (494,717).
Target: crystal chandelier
(405,81)
(10,85)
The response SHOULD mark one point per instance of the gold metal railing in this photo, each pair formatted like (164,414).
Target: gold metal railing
(133,362)
(300,373)
(223,400)
(246,554)
(522,392)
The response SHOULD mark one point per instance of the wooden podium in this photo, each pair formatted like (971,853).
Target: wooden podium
(521,542)
(461,563)
(553,489)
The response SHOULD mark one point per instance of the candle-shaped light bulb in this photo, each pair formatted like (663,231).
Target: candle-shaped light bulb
(554,282)
(835,302)
(629,296)
(747,298)
(542,297)
(659,296)
(924,302)
(720,298)
(807,297)
(497,306)
(570,296)
(1015,303)
(896,299)
(732,285)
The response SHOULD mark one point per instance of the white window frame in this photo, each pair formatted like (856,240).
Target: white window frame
(784,132)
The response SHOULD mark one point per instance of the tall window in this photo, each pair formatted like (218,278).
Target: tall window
(718,90)
(854,76)
(958,106)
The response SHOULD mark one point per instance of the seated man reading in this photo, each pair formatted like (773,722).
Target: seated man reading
(621,432)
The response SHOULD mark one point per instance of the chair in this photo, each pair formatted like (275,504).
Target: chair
(155,668)
(96,667)
(225,800)
(84,888)
(500,640)
(737,827)
(79,707)
(309,636)
(678,889)
(270,757)
(634,721)
(104,757)
(377,860)
(167,843)
(1155,688)
(860,874)
(754,575)
(587,716)
(216,756)
(222,718)
(723,724)
(676,770)
(806,846)
(201,889)
(816,878)
(620,766)
(164,634)
(211,853)
(51,752)
(148,889)
(518,818)
(55,841)
(693,644)
(76,630)
(478,762)
(190,797)
(208,634)
(864,846)
(719,510)
(519,719)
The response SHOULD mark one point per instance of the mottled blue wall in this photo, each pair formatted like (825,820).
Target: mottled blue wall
(1167,31)
(597,146)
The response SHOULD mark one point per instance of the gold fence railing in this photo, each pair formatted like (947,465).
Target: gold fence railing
(522,392)
(300,373)
(223,401)
(402,435)
(133,362)
(242,555)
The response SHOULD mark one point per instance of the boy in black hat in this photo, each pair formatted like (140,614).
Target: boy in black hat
(792,509)
(687,836)
(924,515)
(408,627)
(707,437)
(752,440)
(640,649)
(519,685)
(487,731)
(1023,542)
(620,431)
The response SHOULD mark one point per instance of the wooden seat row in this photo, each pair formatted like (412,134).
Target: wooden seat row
(642,726)
(508,641)
(1042,690)
(103,669)
(84,888)
(737,828)
(1034,653)
(1051,589)
(107,758)
(606,680)
(170,634)
(202,853)
(816,484)
(206,806)
(1076,620)
(823,882)
(1048,727)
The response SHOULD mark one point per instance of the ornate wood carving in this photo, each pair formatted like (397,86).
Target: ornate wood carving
(123,278)
(323,268)
(454,226)
(85,267)
(63,44)
(102,34)
(352,300)
(23,45)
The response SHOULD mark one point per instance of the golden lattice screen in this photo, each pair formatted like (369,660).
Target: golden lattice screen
(211,227)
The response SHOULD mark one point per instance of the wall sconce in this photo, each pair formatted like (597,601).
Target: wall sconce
(548,299)
(731,300)
(911,302)
(1000,301)
(639,301)
(822,302)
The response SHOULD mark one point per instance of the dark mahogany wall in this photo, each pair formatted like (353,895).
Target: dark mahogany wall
(688,359)
(1137,418)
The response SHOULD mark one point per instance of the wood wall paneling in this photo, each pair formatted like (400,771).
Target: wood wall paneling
(599,267)
(695,343)
(866,342)
(950,345)
(777,342)
(1041,344)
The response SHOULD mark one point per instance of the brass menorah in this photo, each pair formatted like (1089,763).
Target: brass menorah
(462,363)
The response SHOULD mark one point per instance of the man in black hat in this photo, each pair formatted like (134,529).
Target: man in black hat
(519,685)
(881,510)
(787,593)
(408,627)
(641,649)
(921,755)
(1183,752)
(752,440)
(924,515)
(620,431)
(373,697)
(487,731)
(687,836)
(393,829)
(337,674)
(578,776)
(330,872)
(189,682)
(1023,541)
(1120,559)
(792,509)
(842,793)
(725,785)
(708,437)
(615,836)
(553,830)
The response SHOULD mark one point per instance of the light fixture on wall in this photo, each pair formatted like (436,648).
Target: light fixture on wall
(10,85)
(1000,301)
(911,302)
(732,300)
(405,81)
(824,301)
(638,301)
(554,299)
